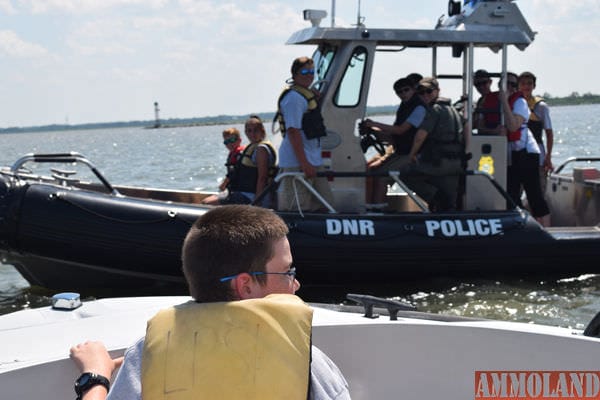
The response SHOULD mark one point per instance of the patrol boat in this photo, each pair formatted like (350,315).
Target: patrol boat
(400,351)
(63,230)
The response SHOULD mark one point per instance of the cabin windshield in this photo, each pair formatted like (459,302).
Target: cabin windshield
(323,58)
(349,90)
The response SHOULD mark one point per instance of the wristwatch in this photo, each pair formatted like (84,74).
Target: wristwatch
(87,380)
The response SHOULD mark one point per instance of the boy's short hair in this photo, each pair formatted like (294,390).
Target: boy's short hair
(231,132)
(527,75)
(228,240)
(402,83)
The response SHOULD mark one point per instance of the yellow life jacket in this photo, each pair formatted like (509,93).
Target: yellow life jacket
(535,124)
(245,174)
(312,120)
(532,102)
(247,349)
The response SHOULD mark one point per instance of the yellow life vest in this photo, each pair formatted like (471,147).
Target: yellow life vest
(532,102)
(247,349)
(312,120)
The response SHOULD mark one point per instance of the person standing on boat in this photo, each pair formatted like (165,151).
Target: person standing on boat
(523,150)
(437,151)
(238,266)
(487,111)
(409,116)
(539,122)
(301,124)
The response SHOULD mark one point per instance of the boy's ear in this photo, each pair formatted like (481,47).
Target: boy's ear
(244,286)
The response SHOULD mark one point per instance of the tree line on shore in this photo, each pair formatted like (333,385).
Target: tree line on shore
(573,99)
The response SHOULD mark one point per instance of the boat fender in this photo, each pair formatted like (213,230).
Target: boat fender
(593,328)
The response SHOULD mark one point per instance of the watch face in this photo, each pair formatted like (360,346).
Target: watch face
(83,380)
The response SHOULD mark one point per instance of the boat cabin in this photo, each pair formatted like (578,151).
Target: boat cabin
(344,61)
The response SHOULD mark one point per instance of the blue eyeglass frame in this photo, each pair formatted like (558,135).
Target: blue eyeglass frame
(291,272)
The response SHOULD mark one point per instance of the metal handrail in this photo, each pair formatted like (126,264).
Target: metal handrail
(573,159)
(72,157)
(299,176)
(395,175)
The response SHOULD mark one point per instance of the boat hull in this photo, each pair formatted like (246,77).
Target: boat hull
(65,238)
(377,356)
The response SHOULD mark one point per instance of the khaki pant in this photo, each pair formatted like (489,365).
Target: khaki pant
(436,184)
(292,193)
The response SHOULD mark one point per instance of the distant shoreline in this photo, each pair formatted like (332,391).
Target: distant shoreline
(573,100)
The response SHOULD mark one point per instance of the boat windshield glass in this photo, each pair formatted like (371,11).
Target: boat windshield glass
(323,58)
(350,88)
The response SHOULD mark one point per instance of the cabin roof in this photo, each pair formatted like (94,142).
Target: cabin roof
(489,24)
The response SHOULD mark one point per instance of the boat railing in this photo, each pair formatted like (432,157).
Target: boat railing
(575,159)
(299,177)
(61,175)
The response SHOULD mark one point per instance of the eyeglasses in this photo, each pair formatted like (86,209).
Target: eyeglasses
(307,71)
(230,140)
(481,83)
(290,273)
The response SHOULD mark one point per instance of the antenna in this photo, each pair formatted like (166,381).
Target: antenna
(333,13)
(359,18)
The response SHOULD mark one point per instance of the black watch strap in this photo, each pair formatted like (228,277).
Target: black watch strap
(88,380)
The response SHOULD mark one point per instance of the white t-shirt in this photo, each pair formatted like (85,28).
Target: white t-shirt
(326,380)
(293,107)
(527,141)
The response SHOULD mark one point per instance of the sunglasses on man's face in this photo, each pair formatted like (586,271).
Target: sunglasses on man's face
(307,71)
(230,140)
(512,84)
(428,91)
(481,83)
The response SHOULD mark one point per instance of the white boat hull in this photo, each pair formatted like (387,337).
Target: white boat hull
(421,358)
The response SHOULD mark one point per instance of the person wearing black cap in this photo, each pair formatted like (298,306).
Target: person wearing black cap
(437,152)
(409,116)
(487,110)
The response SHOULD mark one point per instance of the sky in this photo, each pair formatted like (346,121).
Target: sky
(84,61)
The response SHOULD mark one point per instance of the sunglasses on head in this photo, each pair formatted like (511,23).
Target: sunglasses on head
(230,140)
(307,71)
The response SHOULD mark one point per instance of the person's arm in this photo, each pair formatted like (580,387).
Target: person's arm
(418,141)
(549,145)
(262,166)
(543,112)
(224,184)
(295,138)
(93,357)
(512,121)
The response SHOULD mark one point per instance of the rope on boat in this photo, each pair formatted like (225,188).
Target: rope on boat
(169,215)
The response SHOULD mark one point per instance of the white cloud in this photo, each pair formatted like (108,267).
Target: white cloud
(13,46)
(7,7)
(85,6)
